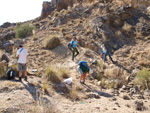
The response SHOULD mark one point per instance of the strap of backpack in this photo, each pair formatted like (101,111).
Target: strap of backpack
(21,50)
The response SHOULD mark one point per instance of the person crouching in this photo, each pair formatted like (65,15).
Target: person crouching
(83,69)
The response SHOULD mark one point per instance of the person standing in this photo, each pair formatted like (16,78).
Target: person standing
(83,69)
(74,49)
(22,60)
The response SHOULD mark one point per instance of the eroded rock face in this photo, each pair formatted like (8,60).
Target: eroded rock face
(47,9)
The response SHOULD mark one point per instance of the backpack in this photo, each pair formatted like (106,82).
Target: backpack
(83,65)
(10,74)
(70,45)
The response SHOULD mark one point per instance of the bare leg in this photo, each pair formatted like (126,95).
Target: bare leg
(20,73)
(25,73)
(84,75)
(81,78)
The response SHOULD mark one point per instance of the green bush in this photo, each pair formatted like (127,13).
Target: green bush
(143,78)
(24,30)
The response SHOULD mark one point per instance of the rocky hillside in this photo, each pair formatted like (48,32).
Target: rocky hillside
(123,27)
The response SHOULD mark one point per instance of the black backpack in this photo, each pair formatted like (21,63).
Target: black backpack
(70,46)
(10,74)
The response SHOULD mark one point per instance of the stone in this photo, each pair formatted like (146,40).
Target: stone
(4,57)
(6,24)
(139,105)
(93,95)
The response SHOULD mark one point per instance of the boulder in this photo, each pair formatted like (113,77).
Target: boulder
(6,24)
(8,36)
(4,57)
(139,105)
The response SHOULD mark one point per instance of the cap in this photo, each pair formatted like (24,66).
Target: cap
(74,38)
(20,45)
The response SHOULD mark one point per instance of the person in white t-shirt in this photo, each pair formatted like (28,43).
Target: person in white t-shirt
(22,60)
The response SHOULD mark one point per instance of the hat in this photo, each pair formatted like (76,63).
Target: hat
(20,46)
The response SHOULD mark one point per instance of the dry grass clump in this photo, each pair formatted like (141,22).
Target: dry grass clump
(62,29)
(3,69)
(133,3)
(126,27)
(38,73)
(143,61)
(113,72)
(50,22)
(74,93)
(56,13)
(143,78)
(63,73)
(56,74)
(64,12)
(51,75)
(15,68)
(51,42)
(101,65)
(45,88)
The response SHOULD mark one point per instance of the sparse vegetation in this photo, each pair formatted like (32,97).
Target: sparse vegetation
(51,75)
(56,13)
(50,22)
(24,30)
(3,70)
(143,78)
(51,42)
(15,68)
(63,73)
(113,73)
(73,93)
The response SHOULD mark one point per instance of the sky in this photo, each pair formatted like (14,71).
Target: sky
(19,10)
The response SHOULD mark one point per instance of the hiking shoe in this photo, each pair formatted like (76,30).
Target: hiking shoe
(19,78)
(25,78)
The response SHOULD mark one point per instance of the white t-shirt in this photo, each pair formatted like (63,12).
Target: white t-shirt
(22,55)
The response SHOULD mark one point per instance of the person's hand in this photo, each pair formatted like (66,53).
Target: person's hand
(72,49)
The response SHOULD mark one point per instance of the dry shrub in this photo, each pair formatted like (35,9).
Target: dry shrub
(63,12)
(51,75)
(143,78)
(50,22)
(63,73)
(127,27)
(143,61)
(3,69)
(113,72)
(62,29)
(38,73)
(133,3)
(56,13)
(15,68)
(101,64)
(45,88)
(51,42)
(73,93)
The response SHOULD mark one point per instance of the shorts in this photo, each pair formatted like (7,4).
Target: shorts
(79,70)
(22,67)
